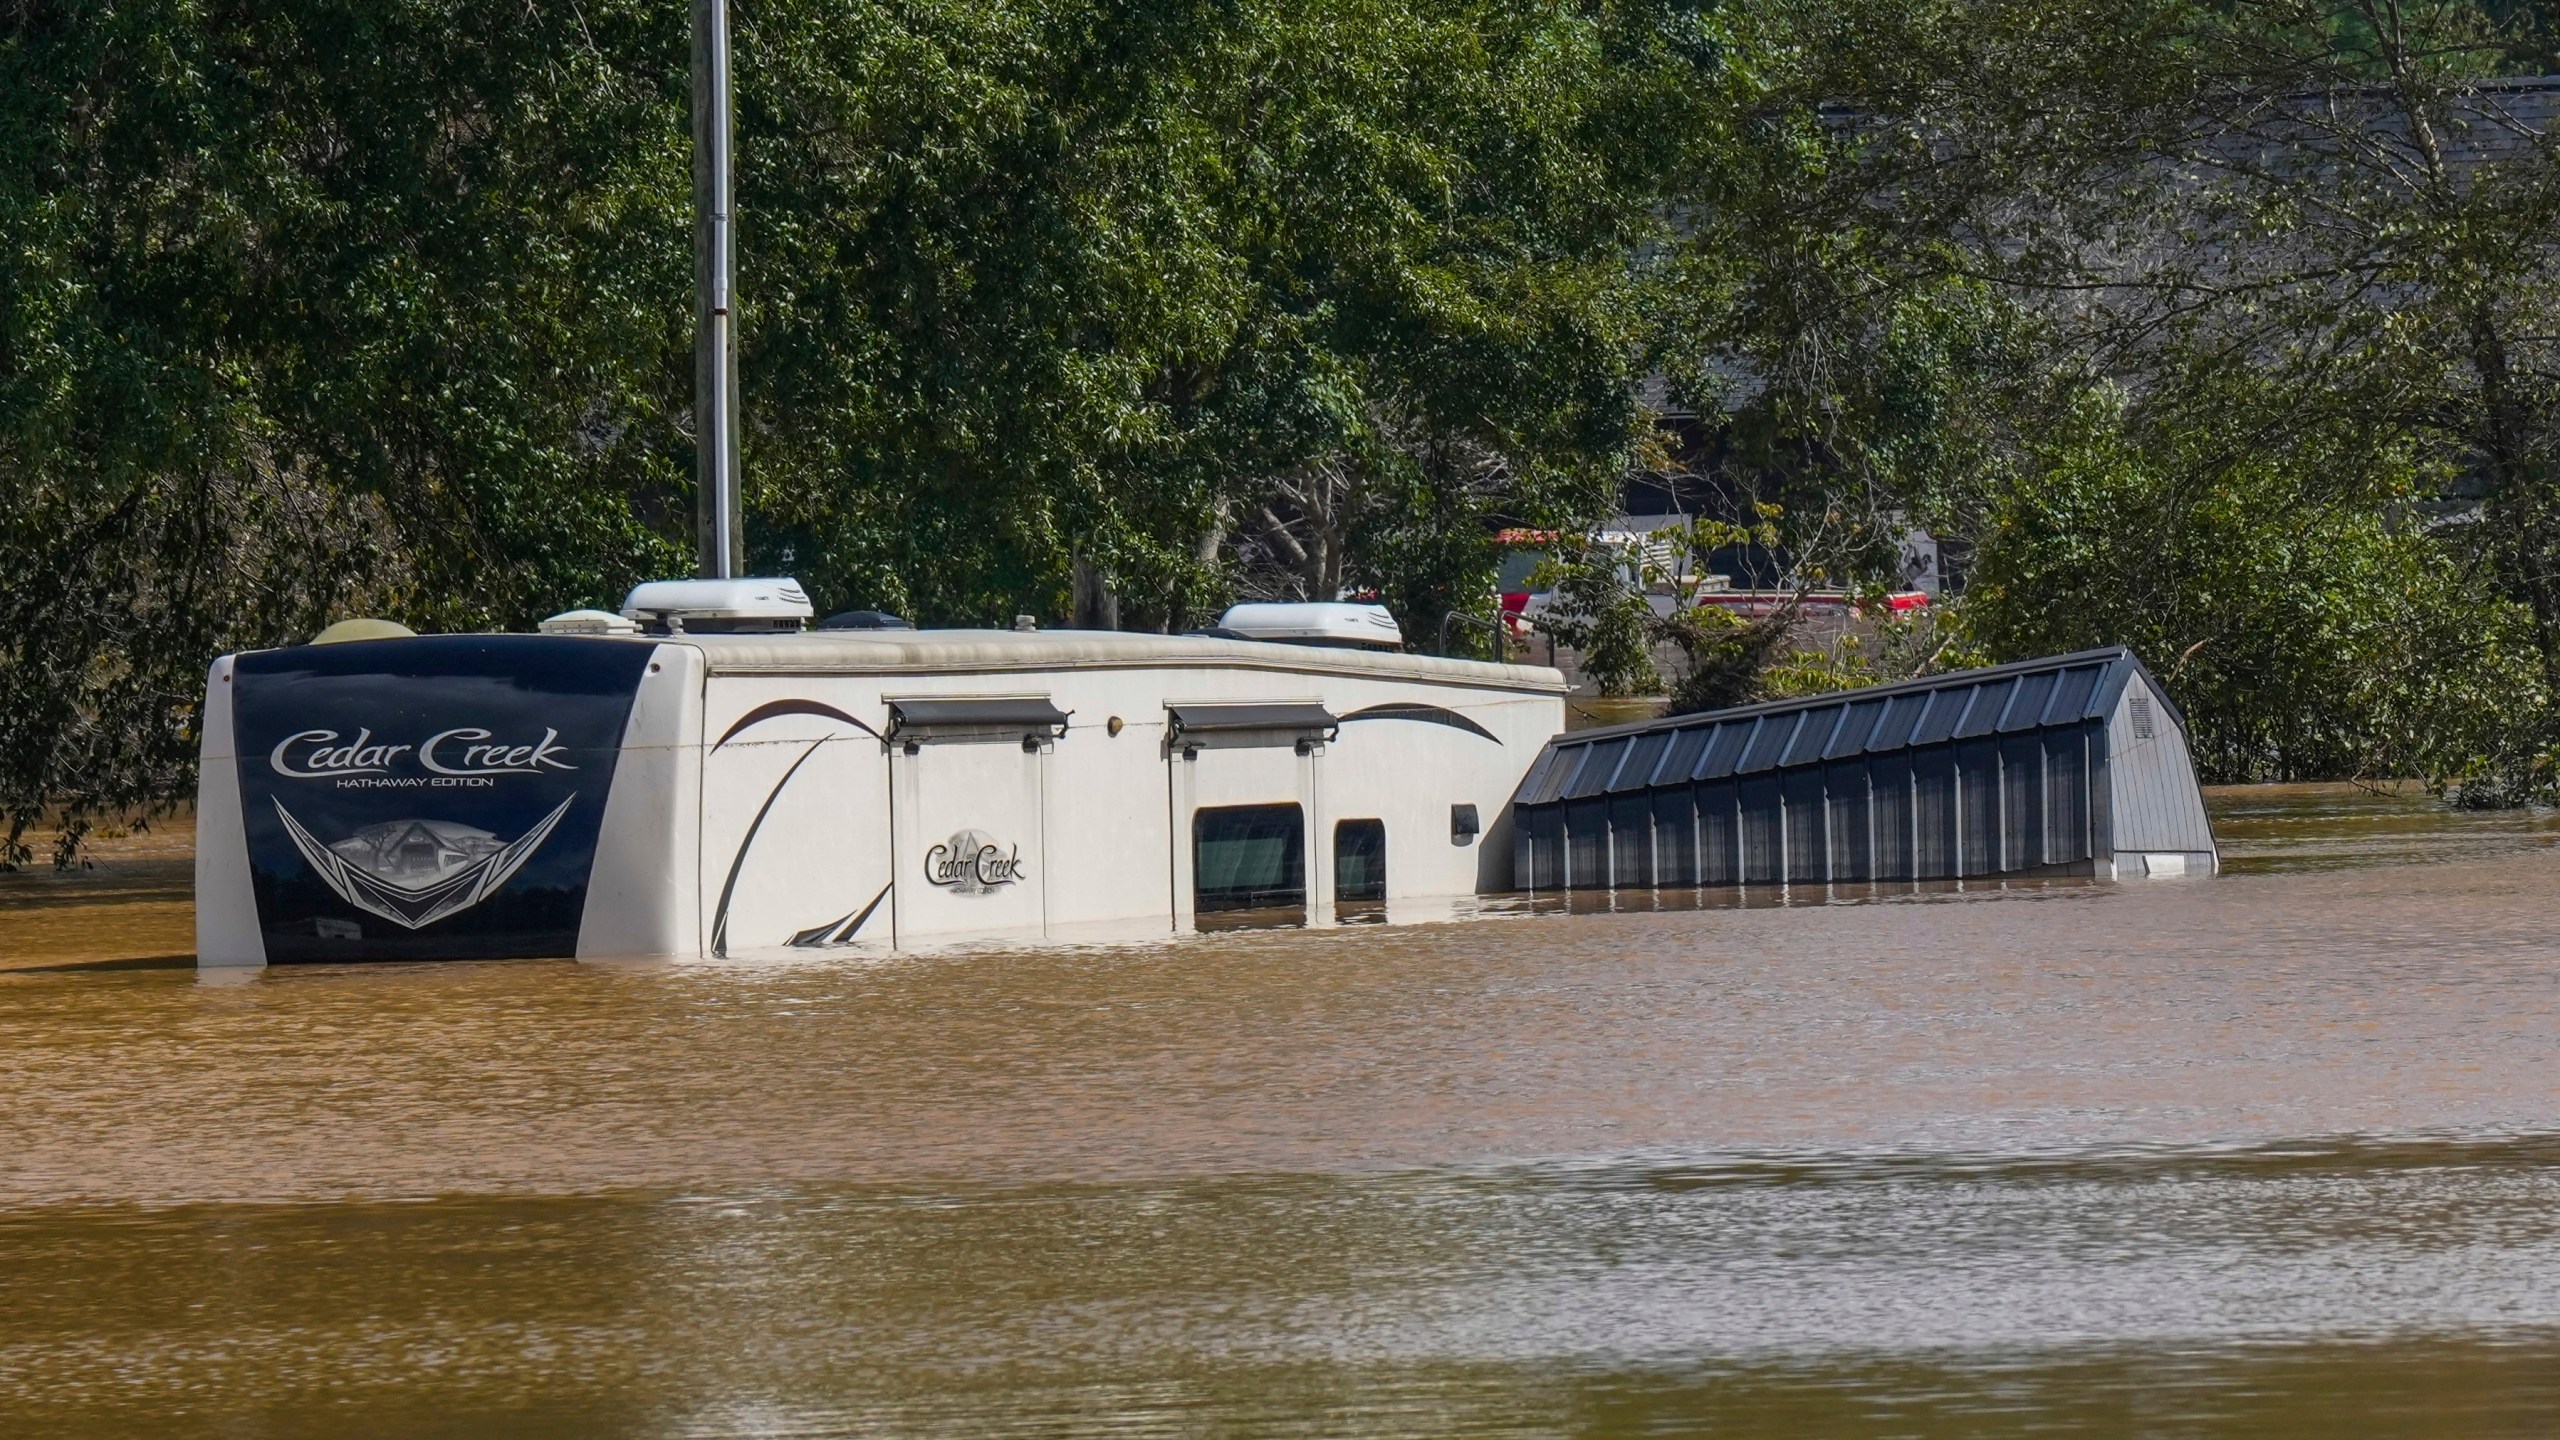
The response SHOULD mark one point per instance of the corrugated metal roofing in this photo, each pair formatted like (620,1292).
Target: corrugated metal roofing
(1786,734)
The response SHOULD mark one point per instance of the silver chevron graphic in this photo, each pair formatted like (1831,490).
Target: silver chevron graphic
(414,873)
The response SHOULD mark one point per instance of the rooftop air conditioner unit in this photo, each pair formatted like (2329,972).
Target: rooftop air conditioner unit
(719,607)
(1367,627)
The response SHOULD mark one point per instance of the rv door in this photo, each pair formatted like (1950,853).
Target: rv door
(969,804)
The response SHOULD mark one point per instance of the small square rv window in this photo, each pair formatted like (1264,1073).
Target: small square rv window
(1360,864)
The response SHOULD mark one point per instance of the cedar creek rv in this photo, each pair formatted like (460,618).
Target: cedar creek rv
(710,794)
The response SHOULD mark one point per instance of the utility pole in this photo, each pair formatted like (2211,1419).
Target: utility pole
(719,543)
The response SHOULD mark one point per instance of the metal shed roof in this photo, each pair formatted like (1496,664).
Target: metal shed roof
(1784,734)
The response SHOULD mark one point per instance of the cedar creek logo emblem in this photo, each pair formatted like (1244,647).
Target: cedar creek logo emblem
(970,863)
(414,872)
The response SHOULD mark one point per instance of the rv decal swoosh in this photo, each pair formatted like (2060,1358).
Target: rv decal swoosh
(776,709)
(419,908)
(729,887)
(770,710)
(842,929)
(1428,714)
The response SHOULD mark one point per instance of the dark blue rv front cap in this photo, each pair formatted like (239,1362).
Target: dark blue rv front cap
(432,797)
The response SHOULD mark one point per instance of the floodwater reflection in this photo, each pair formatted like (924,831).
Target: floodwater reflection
(2272,1154)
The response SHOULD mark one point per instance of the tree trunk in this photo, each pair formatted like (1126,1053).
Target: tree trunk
(1096,607)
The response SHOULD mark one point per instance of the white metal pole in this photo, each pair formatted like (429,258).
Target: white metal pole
(719,545)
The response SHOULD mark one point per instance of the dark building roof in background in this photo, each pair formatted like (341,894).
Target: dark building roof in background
(1782,734)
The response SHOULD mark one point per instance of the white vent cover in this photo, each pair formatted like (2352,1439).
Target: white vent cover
(2142,725)
(589,622)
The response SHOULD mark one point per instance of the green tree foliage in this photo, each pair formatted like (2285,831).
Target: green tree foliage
(1597,605)
(2303,620)
(310,308)
(2221,330)
(1181,287)
(324,306)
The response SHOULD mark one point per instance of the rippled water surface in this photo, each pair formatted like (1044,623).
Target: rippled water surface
(2274,1154)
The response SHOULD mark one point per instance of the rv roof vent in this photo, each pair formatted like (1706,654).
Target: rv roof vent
(363,629)
(589,622)
(1321,623)
(719,607)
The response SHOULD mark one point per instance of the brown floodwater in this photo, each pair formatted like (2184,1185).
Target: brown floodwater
(130,902)
(2272,1154)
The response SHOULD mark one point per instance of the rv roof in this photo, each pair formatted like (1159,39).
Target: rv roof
(999,651)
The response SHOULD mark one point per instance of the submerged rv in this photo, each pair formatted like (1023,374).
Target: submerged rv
(720,794)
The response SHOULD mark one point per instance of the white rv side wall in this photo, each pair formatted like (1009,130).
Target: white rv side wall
(795,814)
(226,908)
(1409,773)
(2155,805)
(642,894)
(1109,841)
(1109,834)
(1314,797)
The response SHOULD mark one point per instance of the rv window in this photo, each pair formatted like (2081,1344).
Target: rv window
(1249,857)
(1360,864)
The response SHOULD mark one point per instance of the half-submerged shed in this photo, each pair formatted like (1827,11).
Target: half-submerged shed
(2074,765)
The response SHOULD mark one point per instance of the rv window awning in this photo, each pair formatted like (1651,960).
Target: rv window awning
(1229,719)
(977,713)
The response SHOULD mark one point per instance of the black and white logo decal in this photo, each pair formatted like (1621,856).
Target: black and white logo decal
(416,872)
(970,863)
(431,798)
